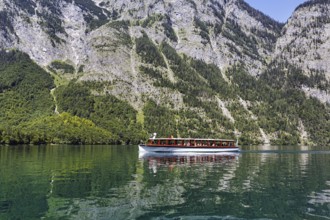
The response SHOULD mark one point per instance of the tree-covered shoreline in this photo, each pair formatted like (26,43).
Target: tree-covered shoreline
(275,104)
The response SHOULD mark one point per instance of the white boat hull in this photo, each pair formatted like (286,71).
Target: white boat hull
(186,149)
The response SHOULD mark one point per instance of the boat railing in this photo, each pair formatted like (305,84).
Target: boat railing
(192,142)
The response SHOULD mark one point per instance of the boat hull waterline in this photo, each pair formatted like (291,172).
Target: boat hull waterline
(146,148)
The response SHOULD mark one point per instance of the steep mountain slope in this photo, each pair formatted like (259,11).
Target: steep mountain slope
(305,43)
(188,68)
(305,37)
(220,32)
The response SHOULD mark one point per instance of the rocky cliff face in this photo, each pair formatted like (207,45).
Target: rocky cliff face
(217,31)
(220,32)
(305,42)
(179,53)
(305,37)
(89,36)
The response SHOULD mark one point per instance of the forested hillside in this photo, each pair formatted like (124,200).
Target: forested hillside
(27,109)
(113,72)
(275,107)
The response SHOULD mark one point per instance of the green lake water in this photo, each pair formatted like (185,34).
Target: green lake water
(115,182)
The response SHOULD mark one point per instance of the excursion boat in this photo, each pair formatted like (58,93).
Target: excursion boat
(196,145)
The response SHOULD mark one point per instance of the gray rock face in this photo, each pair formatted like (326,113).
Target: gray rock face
(227,25)
(99,39)
(93,34)
(83,33)
(305,38)
(305,42)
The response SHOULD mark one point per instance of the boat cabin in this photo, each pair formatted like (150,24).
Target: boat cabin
(190,142)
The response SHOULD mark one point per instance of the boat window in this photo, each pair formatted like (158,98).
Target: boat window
(171,142)
(163,142)
(152,141)
(224,143)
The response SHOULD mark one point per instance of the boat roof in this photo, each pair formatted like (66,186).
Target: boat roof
(189,139)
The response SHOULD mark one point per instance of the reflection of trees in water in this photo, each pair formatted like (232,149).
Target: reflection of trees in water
(268,185)
(100,182)
(319,203)
(51,179)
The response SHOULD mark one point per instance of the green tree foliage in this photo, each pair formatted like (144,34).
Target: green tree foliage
(122,34)
(151,20)
(24,89)
(312,3)
(245,123)
(159,119)
(94,15)
(6,24)
(60,66)
(50,20)
(118,25)
(204,32)
(118,117)
(234,32)
(185,123)
(148,51)
(75,99)
(107,112)
(275,103)
(27,107)
(63,128)
(214,77)
(168,29)
(264,19)
(190,81)
(279,104)
(161,80)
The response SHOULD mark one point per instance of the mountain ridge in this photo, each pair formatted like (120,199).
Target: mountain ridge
(179,57)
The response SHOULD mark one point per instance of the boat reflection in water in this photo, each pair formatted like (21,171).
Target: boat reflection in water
(171,160)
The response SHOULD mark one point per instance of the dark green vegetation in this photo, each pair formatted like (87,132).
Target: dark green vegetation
(204,32)
(50,17)
(27,109)
(274,103)
(67,182)
(68,166)
(168,30)
(5,23)
(264,19)
(108,112)
(94,15)
(24,90)
(148,51)
(312,3)
(62,128)
(50,20)
(61,67)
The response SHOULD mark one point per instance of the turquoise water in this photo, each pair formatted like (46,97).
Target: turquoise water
(115,182)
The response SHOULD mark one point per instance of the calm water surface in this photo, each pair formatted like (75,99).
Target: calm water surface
(115,182)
